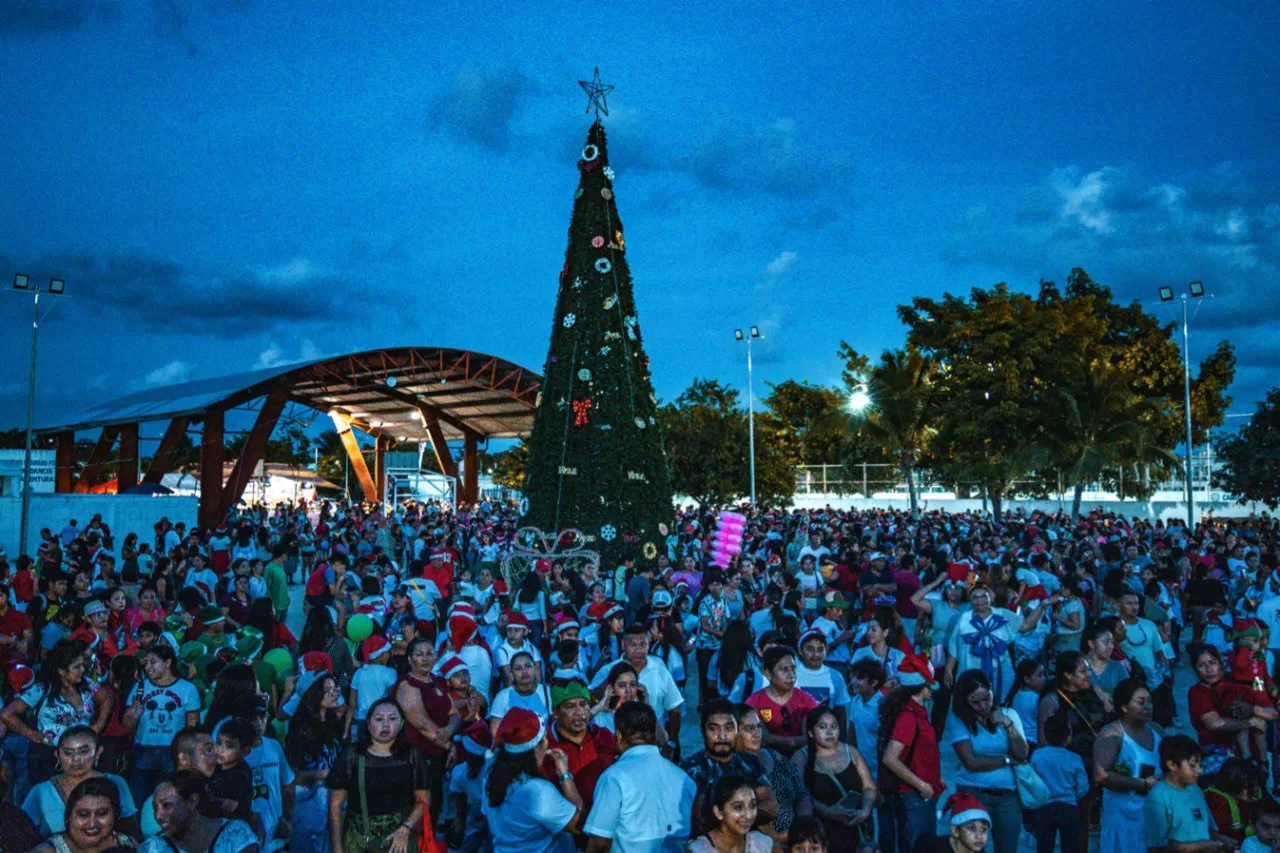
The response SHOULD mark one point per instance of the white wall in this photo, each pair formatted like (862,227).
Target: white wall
(124,514)
(1163,509)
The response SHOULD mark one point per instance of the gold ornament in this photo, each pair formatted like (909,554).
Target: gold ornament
(650,551)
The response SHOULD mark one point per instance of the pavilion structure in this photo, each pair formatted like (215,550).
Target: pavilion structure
(397,395)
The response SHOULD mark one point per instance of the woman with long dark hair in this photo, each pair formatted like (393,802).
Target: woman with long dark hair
(312,745)
(91,816)
(883,631)
(382,783)
(732,802)
(988,741)
(321,634)
(909,758)
(784,778)
(234,681)
(838,780)
(78,751)
(737,655)
(531,600)
(60,698)
(1071,696)
(524,810)
(608,645)
(1126,764)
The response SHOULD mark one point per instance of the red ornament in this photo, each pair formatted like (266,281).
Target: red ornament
(581,412)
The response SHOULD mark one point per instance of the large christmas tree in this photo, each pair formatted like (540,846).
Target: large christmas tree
(596,461)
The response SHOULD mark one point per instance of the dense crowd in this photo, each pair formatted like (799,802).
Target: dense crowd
(156,696)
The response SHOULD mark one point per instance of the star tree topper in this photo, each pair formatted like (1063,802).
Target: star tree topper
(596,92)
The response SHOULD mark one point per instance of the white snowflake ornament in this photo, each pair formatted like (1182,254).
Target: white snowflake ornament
(608,533)
(569,320)
(608,172)
(604,350)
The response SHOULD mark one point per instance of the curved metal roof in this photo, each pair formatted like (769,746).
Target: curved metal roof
(393,392)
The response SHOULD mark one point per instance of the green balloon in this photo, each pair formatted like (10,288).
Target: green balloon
(360,627)
(280,659)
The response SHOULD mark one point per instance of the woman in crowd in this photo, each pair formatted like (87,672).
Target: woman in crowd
(91,815)
(78,751)
(781,705)
(311,746)
(181,802)
(524,810)
(988,741)
(1220,710)
(60,698)
(733,803)
(322,634)
(1072,697)
(838,780)
(736,657)
(785,779)
(981,639)
(1104,672)
(1126,765)
(620,688)
(1029,679)
(881,638)
(377,788)
(431,720)
(162,704)
(909,756)
(525,691)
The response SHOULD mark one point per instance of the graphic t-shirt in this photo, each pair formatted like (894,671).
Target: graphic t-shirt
(164,711)
(783,720)
(823,684)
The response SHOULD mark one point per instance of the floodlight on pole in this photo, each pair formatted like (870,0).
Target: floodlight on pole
(1166,294)
(22,283)
(751,406)
(1196,290)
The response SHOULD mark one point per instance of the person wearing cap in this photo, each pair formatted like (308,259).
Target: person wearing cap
(516,642)
(643,802)
(525,811)
(820,681)
(877,577)
(910,759)
(468,830)
(968,827)
(833,608)
(372,681)
(589,748)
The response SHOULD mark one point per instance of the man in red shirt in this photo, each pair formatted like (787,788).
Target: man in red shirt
(15,633)
(590,749)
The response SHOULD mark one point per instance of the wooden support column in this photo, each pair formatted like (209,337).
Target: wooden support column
(64,465)
(212,453)
(356,458)
(97,460)
(127,460)
(163,457)
(470,469)
(380,445)
(440,448)
(254,447)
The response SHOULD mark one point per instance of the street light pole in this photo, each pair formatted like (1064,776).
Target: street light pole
(1186,407)
(751,406)
(31,416)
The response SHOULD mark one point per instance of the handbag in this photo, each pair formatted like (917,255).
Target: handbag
(1032,791)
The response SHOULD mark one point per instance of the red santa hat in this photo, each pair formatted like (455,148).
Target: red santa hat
(958,572)
(1034,593)
(374,646)
(543,566)
(476,738)
(963,808)
(564,624)
(450,664)
(317,661)
(521,730)
(518,620)
(462,627)
(916,670)
(597,610)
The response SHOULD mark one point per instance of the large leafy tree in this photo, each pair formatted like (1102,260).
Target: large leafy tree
(707,449)
(792,417)
(901,416)
(1252,456)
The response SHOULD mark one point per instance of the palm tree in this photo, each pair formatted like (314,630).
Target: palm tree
(1104,422)
(899,411)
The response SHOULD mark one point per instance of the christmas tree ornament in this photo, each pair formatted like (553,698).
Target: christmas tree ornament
(604,350)
(597,242)
(581,412)
(640,424)
(584,375)
(570,548)
(609,302)
(608,533)
(590,153)
(606,193)
(617,238)
(608,173)
(597,93)
(577,283)
(603,265)
(569,320)
(650,551)
(662,528)
(524,505)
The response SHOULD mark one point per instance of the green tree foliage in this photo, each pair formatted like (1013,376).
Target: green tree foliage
(1252,456)
(793,412)
(596,458)
(708,449)
(900,419)
(510,466)
(289,445)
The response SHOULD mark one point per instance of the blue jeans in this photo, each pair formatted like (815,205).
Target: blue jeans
(1006,816)
(13,753)
(150,764)
(311,819)
(903,818)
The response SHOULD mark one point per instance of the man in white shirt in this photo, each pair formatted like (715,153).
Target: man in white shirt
(814,549)
(660,689)
(643,803)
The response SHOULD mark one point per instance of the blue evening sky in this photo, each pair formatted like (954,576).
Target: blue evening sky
(229,184)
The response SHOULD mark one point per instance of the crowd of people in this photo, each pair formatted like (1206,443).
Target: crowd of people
(158,697)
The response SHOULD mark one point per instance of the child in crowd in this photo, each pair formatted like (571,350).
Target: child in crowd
(806,835)
(231,785)
(1266,828)
(1175,813)
(371,682)
(1236,788)
(468,829)
(1064,775)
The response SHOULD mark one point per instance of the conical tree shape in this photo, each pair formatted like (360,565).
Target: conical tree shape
(596,460)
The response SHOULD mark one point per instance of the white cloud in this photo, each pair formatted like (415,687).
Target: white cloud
(275,356)
(780,265)
(168,374)
(289,272)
